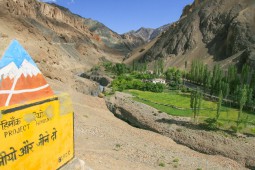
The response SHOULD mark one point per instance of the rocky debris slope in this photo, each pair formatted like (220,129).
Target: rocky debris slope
(214,30)
(182,131)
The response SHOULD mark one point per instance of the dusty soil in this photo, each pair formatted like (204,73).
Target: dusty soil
(182,131)
(106,142)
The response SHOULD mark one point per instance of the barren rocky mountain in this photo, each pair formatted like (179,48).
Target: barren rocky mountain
(213,31)
(146,34)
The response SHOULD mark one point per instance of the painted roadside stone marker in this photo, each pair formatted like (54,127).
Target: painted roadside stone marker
(36,125)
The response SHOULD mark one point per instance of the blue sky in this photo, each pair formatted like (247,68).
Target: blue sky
(124,15)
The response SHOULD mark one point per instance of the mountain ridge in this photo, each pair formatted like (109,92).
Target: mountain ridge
(146,34)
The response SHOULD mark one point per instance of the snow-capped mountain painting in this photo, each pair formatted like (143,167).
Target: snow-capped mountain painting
(20,79)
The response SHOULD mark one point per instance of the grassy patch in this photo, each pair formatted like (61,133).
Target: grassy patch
(162,164)
(164,102)
(166,109)
(117,147)
(176,160)
(183,101)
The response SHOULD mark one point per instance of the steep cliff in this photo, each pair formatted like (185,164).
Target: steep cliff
(213,31)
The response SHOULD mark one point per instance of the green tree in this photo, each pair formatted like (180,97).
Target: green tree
(178,78)
(206,78)
(192,72)
(224,89)
(249,101)
(160,66)
(174,76)
(219,105)
(195,103)
(120,68)
(232,79)
(245,74)
(199,105)
(216,80)
(242,101)
(108,66)
(192,99)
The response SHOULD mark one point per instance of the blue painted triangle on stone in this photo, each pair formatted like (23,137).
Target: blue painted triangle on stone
(15,53)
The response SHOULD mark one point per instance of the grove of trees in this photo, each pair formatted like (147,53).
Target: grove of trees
(231,84)
(127,82)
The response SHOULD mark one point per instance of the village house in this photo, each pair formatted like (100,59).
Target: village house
(159,80)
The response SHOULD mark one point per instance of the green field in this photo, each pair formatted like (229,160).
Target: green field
(208,109)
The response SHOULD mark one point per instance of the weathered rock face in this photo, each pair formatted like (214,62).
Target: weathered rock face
(228,28)
(49,15)
(189,8)
(224,27)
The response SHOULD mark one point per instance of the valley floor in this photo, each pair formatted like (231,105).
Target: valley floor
(105,142)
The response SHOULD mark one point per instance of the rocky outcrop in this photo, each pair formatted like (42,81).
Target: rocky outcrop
(189,8)
(224,27)
(100,78)
(182,130)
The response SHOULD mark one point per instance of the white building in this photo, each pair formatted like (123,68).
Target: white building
(162,81)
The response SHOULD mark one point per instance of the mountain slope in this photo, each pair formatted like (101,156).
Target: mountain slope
(213,31)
